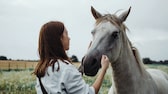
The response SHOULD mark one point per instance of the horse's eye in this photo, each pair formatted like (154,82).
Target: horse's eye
(115,34)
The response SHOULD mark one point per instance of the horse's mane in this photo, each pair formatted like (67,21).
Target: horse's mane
(137,56)
(113,19)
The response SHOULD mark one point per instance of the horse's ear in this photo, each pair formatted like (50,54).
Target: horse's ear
(124,15)
(95,13)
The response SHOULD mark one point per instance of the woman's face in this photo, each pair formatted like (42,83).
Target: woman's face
(65,39)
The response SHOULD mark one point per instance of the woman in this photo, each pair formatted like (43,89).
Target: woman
(55,72)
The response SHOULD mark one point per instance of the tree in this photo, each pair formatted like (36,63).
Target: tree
(147,61)
(3,58)
(74,58)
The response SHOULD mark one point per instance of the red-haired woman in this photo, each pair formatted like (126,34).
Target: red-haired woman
(55,72)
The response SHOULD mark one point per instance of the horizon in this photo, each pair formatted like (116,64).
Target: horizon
(21,20)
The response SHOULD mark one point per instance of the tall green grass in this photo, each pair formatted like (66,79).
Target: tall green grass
(23,82)
(158,66)
(105,85)
(17,82)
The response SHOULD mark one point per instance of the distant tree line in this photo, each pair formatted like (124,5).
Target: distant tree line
(74,58)
(3,58)
(149,61)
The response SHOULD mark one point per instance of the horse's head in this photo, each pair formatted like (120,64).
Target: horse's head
(107,40)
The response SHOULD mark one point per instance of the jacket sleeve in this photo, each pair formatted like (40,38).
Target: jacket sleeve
(75,84)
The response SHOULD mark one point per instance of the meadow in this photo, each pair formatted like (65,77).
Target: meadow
(23,81)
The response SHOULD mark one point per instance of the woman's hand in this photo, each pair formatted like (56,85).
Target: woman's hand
(105,62)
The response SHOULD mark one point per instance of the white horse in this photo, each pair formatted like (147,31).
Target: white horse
(128,71)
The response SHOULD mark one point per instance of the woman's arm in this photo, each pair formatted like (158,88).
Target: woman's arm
(75,84)
(99,79)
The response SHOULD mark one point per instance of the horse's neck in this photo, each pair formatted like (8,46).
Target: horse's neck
(126,71)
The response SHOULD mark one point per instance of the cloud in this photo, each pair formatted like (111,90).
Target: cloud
(21,20)
(150,42)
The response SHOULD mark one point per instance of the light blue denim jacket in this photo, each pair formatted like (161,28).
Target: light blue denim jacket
(68,80)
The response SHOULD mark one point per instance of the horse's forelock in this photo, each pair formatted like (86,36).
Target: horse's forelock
(113,19)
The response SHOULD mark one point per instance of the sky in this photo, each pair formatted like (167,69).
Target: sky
(21,20)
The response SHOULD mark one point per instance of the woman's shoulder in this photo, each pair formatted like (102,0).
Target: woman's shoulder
(66,68)
(61,67)
(65,65)
(63,62)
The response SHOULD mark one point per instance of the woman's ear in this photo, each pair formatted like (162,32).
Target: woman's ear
(61,38)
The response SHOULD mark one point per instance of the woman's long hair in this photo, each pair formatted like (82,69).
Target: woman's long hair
(50,46)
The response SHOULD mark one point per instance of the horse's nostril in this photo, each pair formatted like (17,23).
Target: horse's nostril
(93,62)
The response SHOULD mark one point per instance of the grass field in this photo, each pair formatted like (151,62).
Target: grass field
(23,82)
